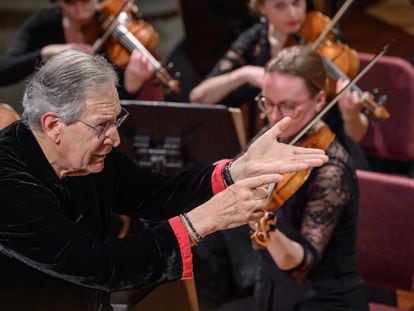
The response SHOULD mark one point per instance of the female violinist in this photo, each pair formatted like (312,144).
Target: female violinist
(238,76)
(310,263)
(60,27)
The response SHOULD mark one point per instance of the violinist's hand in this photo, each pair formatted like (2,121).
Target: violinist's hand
(355,122)
(238,204)
(138,70)
(214,89)
(349,103)
(252,75)
(52,49)
(267,156)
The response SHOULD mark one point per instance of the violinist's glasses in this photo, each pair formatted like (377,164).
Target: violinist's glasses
(285,107)
(102,129)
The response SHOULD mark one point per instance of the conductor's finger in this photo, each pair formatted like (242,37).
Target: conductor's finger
(262,180)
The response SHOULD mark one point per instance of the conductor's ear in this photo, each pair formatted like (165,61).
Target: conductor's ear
(52,126)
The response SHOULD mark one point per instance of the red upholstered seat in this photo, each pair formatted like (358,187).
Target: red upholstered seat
(386,231)
(379,307)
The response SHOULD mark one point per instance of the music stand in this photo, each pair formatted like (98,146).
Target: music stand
(172,137)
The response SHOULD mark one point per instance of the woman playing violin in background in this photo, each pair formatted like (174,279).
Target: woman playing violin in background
(57,28)
(310,263)
(238,76)
(314,244)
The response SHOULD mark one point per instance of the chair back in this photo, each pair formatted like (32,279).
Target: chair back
(392,138)
(386,230)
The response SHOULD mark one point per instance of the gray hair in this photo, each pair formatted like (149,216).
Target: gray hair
(62,84)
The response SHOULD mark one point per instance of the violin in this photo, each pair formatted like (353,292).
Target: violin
(341,61)
(315,134)
(320,138)
(120,30)
(7,115)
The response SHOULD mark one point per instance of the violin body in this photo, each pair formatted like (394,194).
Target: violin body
(344,57)
(341,61)
(118,30)
(142,30)
(321,138)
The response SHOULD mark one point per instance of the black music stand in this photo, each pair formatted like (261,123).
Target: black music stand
(171,137)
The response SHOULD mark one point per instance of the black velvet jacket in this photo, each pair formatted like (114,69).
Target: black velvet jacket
(58,244)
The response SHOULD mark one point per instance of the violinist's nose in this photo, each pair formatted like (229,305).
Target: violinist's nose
(292,10)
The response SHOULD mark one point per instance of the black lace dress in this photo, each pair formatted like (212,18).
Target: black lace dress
(322,216)
(250,48)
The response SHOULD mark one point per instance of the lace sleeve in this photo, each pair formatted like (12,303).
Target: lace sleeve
(244,51)
(330,191)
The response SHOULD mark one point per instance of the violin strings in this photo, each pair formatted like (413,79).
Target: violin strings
(335,73)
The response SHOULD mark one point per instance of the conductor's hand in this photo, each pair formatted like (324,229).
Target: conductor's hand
(267,156)
(242,202)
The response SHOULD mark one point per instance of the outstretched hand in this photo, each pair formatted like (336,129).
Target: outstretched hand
(268,156)
(242,202)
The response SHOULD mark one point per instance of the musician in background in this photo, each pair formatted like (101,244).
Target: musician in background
(237,77)
(60,27)
(311,262)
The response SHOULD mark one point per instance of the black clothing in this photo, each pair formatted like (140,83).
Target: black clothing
(333,119)
(23,56)
(250,48)
(322,216)
(328,200)
(58,243)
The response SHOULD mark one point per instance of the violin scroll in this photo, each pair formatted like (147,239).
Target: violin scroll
(376,106)
(261,236)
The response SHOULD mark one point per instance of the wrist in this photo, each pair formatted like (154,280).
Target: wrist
(350,115)
(235,170)
(193,234)
(226,174)
(202,220)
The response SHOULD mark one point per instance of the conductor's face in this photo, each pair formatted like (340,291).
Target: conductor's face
(86,142)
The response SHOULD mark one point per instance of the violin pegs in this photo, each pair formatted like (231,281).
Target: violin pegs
(382,99)
(271,216)
(272,227)
(375,92)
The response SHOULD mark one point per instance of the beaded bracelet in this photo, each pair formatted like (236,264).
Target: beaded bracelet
(198,236)
(195,237)
(187,228)
(226,175)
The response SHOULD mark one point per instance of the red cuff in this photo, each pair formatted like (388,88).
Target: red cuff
(185,247)
(217,183)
